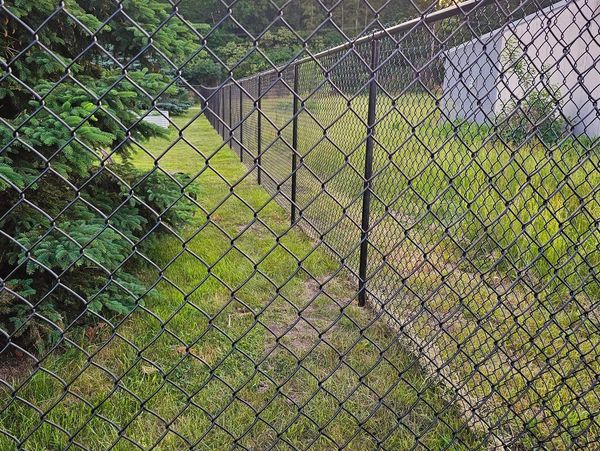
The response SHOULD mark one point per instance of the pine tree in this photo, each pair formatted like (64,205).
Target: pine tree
(73,210)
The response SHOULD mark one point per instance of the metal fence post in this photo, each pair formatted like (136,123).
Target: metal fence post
(368,183)
(229,118)
(259,131)
(222,112)
(213,114)
(209,109)
(207,106)
(295,143)
(241,133)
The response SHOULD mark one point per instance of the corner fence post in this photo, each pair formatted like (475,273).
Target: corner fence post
(295,142)
(259,131)
(206,104)
(368,183)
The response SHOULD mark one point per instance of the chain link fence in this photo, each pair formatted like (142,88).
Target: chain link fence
(402,254)
(395,152)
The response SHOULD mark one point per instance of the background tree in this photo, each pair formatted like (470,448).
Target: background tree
(232,40)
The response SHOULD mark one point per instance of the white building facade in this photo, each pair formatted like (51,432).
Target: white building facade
(561,43)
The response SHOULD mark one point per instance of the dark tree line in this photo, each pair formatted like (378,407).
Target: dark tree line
(285,32)
(352,16)
(231,31)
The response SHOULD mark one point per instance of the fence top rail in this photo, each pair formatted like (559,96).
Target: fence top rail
(432,17)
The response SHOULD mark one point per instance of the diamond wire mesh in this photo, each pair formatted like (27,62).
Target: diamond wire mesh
(446,265)
(481,257)
(276,135)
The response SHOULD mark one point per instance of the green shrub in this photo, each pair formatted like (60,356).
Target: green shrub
(75,216)
(536,114)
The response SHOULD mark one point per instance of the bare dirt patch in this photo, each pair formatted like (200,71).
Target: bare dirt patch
(15,368)
(300,326)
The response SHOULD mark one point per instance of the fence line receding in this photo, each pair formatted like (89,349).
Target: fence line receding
(392,243)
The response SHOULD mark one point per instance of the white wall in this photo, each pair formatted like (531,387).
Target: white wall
(559,42)
(159,118)
(470,80)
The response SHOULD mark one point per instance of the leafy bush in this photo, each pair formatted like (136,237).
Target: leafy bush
(175,107)
(177,103)
(202,69)
(537,112)
(75,216)
(229,50)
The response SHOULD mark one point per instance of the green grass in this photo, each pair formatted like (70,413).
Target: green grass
(251,337)
(487,253)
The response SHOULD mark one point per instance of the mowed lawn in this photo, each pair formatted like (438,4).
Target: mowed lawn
(251,338)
